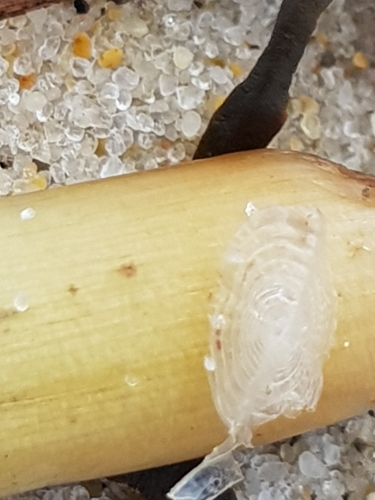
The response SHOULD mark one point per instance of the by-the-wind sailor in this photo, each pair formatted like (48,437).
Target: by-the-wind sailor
(271,329)
(273,319)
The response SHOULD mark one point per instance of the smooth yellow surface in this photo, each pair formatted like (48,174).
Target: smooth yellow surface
(103,373)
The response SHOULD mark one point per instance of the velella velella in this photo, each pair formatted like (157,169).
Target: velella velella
(271,328)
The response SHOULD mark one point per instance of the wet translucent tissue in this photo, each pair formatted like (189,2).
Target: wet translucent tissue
(272,325)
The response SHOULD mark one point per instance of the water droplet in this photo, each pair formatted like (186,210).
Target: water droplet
(209,364)
(21,302)
(28,214)
(249,209)
(131,380)
(217,321)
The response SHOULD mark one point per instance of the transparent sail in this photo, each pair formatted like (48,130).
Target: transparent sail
(272,323)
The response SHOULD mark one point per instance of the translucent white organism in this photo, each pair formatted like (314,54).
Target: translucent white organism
(271,329)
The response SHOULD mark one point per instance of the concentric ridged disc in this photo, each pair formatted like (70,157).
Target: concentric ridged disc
(273,319)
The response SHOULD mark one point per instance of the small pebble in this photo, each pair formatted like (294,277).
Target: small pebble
(310,125)
(372,123)
(331,452)
(287,453)
(191,123)
(136,27)
(34,101)
(167,85)
(295,143)
(322,39)
(114,14)
(27,82)
(182,57)
(360,61)
(81,6)
(82,46)
(308,105)
(110,58)
(327,60)
(311,466)
(39,183)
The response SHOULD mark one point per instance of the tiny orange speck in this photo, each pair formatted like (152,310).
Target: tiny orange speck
(165,144)
(72,289)
(127,270)
(82,46)
(27,81)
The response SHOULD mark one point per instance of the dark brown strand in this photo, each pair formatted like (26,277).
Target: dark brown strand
(256,109)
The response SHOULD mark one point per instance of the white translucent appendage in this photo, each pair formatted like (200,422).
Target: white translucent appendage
(273,319)
(271,328)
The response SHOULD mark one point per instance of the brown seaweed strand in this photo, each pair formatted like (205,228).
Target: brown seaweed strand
(256,109)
